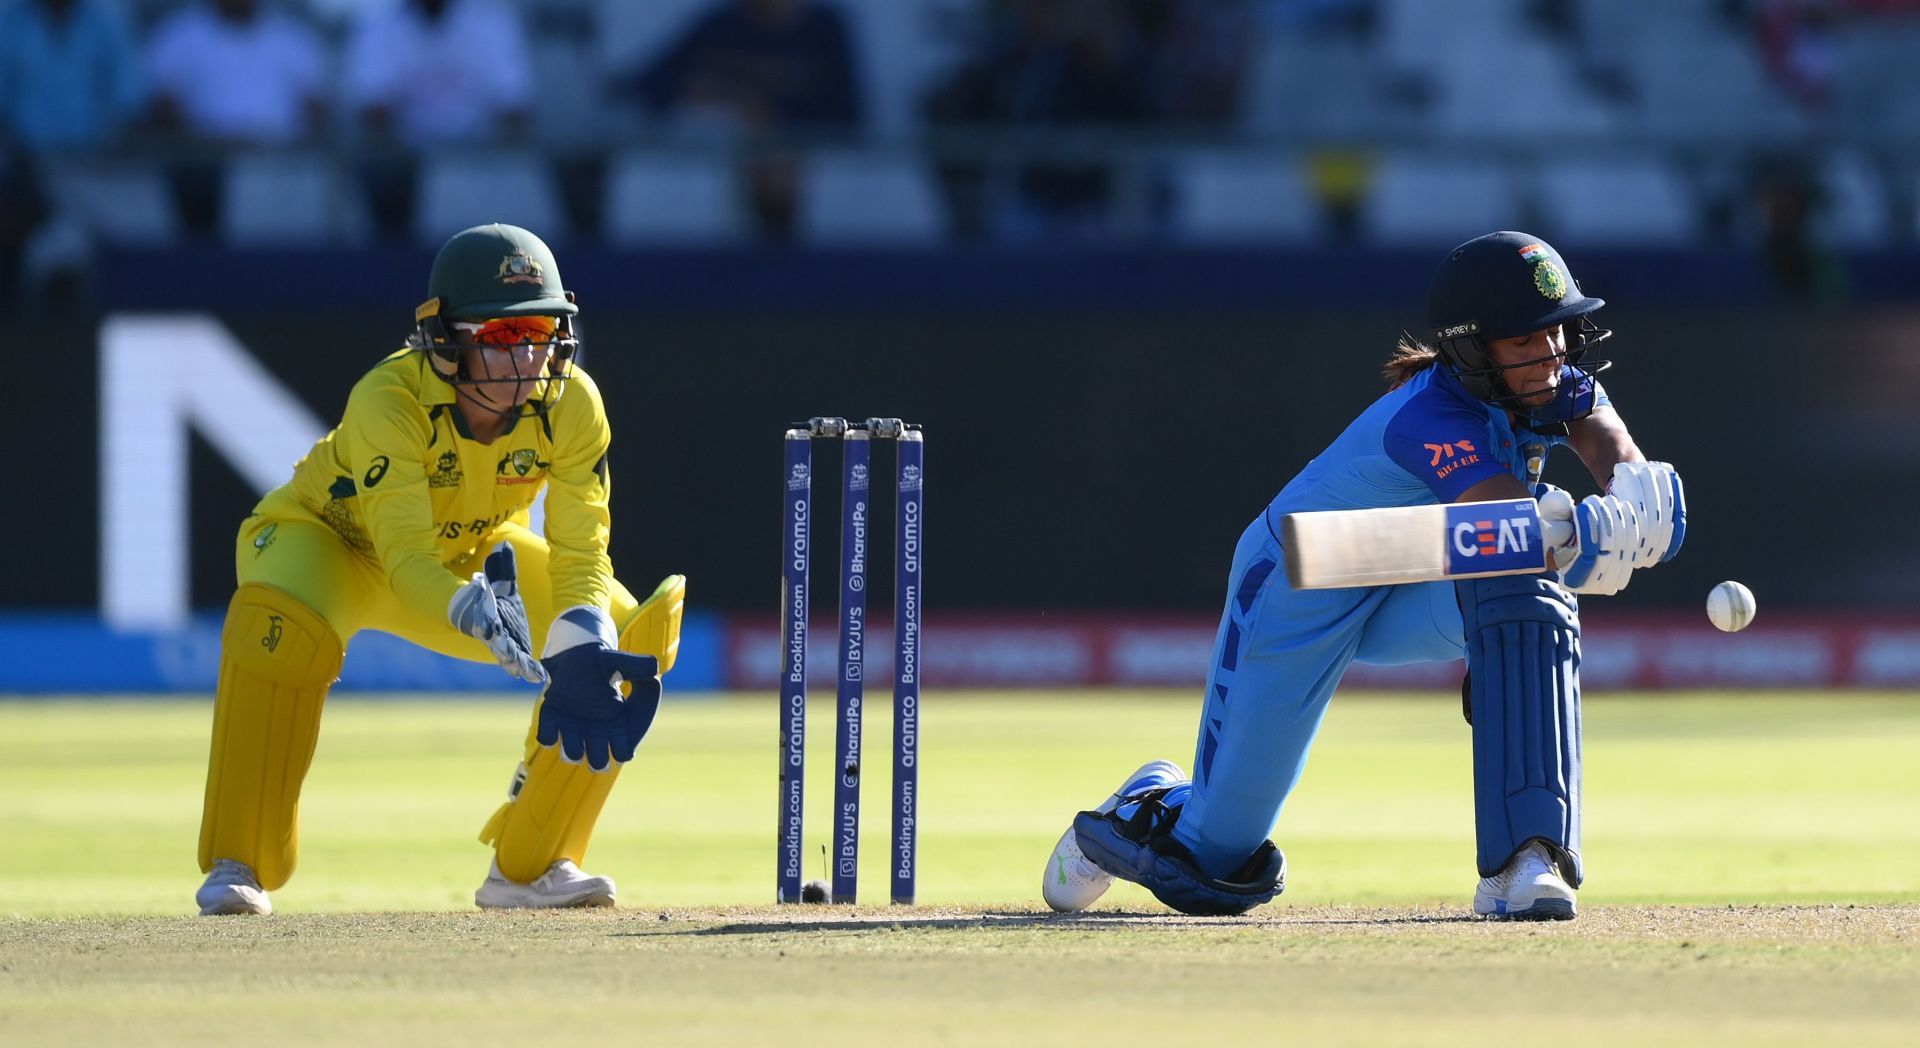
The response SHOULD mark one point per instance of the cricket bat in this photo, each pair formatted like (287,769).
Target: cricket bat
(1335,549)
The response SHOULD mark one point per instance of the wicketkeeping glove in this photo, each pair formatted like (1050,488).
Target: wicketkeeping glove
(489,608)
(582,711)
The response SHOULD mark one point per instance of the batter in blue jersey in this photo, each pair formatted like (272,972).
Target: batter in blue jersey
(1471,414)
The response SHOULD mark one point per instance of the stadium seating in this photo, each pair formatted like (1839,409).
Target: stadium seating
(289,200)
(671,198)
(1420,35)
(1622,122)
(1299,87)
(1609,33)
(850,198)
(1242,197)
(1533,89)
(1856,210)
(1710,86)
(465,188)
(631,34)
(1876,93)
(1439,198)
(568,100)
(904,47)
(126,203)
(1619,199)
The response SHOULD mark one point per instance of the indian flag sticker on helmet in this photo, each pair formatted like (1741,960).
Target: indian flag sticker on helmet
(1534,252)
(1549,281)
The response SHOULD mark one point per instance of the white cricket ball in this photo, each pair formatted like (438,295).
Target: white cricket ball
(1730,606)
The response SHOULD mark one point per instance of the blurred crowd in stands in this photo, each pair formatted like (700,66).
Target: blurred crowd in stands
(1791,124)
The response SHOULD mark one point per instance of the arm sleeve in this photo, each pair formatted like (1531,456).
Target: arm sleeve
(386,436)
(1441,444)
(578,484)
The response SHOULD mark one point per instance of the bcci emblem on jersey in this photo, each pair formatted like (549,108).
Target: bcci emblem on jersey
(1484,537)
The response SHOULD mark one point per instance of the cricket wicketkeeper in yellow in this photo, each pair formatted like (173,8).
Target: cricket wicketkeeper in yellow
(412,517)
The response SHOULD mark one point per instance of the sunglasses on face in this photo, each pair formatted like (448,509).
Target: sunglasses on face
(510,331)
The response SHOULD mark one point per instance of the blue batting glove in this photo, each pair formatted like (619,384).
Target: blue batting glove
(1609,530)
(582,710)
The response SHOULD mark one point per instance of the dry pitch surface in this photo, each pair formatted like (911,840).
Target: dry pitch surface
(1306,974)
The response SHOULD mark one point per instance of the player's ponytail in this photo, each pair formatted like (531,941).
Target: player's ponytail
(1409,358)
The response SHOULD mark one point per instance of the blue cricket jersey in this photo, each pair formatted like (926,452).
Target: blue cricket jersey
(1424,443)
(1280,652)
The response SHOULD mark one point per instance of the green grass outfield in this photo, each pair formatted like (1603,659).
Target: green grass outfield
(1753,865)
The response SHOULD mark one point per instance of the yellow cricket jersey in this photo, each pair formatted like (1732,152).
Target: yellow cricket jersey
(402,482)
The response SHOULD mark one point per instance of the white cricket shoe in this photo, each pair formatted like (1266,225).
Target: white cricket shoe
(232,888)
(563,885)
(1071,883)
(1529,889)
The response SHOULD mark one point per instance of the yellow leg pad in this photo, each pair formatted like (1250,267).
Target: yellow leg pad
(655,629)
(278,657)
(552,807)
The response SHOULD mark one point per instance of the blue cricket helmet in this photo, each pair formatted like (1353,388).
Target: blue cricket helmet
(1505,285)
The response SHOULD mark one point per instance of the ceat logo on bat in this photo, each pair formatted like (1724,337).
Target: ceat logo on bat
(1494,536)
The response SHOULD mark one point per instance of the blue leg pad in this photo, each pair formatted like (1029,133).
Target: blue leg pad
(1523,663)
(1135,842)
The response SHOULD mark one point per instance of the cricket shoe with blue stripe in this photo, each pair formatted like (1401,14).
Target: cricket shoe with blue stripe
(1071,883)
(563,885)
(231,888)
(1529,889)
